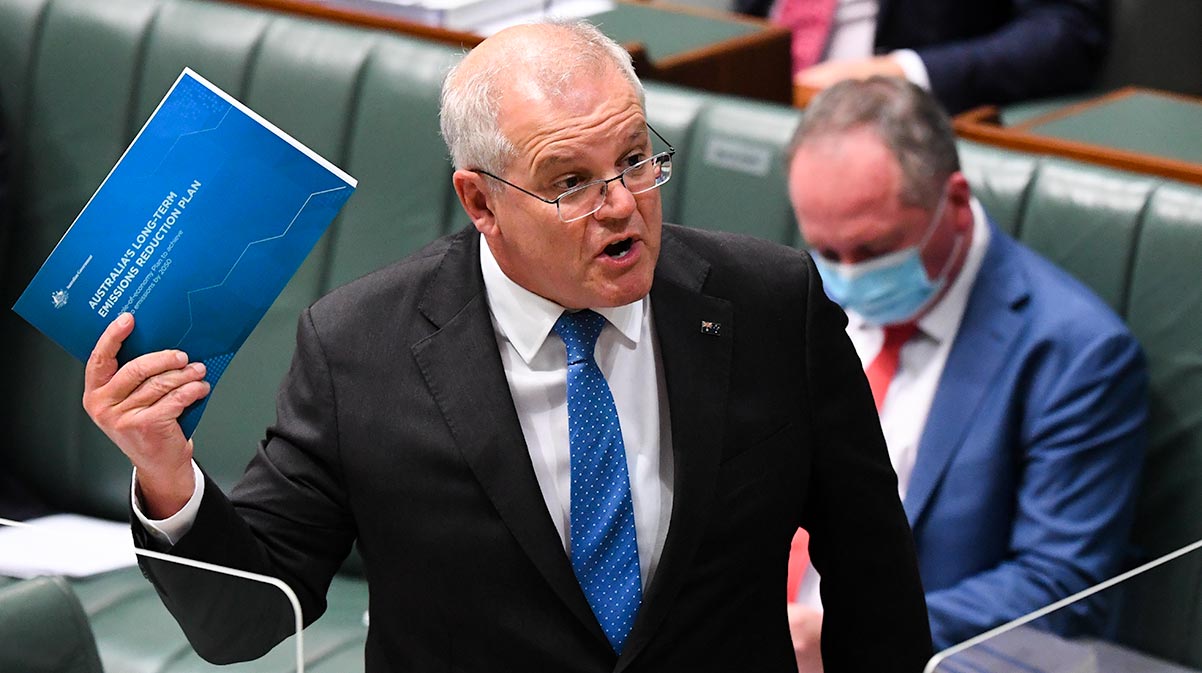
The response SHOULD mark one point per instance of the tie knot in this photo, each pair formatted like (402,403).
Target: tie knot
(579,332)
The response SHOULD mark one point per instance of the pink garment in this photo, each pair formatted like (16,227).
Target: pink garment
(799,561)
(810,22)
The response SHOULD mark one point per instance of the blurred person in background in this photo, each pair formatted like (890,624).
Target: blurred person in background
(966,52)
(1012,399)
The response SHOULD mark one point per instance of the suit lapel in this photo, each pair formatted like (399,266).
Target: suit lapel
(696,372)
(463,370)
(993,321)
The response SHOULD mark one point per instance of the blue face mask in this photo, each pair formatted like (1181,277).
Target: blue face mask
(889,289)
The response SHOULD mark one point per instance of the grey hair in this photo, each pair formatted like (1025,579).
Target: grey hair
(471,101)
(907,119)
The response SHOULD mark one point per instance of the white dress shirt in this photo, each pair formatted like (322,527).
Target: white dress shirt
(535,362)
(920,366)
(536,366)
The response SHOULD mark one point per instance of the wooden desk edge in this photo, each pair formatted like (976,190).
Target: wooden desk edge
(1075,108)
(764,51)
(802,95)
(766,32)
(366,18)
(983,125)
(1105,99)
(770,37)
(369,19)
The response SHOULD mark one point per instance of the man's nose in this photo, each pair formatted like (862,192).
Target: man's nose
(617,203)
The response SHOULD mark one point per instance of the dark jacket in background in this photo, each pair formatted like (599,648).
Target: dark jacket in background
(992,51)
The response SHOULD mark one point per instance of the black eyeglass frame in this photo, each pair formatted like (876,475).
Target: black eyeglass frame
(579,188)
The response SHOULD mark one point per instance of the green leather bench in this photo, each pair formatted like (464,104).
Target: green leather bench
(43,629)
(1136,240)
(79,77)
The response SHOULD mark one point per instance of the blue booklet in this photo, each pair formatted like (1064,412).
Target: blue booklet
(195,231)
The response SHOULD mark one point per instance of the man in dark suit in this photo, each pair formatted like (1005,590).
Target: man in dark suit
(431,414)
(966,53)
(1013,400)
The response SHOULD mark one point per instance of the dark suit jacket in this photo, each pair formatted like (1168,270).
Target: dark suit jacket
(992,51)
(5,214)
(1025,484)
(396,427)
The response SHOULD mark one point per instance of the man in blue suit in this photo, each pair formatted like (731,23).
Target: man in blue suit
(966,53)
(1013,400)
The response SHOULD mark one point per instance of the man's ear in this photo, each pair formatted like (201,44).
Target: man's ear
(476,198)
(959,200)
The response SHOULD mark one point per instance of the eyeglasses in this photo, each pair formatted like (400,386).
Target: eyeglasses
(583,200)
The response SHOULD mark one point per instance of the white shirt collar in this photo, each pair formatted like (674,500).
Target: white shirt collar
(943,320)
(525,318)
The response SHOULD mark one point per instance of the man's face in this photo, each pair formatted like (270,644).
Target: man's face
(845,192)
(593,130)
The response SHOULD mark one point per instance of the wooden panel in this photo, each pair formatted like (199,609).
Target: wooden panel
(366,18)
(757,64)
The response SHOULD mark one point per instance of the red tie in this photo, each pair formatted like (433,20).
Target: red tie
(883,367)
(810,22)
(799,560)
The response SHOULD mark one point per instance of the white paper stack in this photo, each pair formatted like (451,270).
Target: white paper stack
(464,15)
(560,9)
(65,544)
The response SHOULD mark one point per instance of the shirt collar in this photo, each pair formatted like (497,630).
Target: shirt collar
(525,318)
(943,319)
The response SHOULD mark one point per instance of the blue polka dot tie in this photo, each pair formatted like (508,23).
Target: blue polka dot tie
(605,553)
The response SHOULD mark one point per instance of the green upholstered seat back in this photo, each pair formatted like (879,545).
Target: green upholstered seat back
(1086,221)
(1165,313)
(68,121)
(80,77)
(735,170)
(1136,241)
(1000,181)
(43,629)
(673,112)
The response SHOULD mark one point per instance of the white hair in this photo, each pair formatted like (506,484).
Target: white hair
(471,100)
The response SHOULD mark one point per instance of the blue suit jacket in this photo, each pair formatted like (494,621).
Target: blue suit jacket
(992,51)
(1025,481)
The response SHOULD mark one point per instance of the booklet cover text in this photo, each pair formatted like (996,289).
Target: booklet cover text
(195,231)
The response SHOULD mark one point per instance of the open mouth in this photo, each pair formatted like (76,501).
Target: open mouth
(619,249)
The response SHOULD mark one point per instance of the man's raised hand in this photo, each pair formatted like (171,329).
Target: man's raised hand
(138,407)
